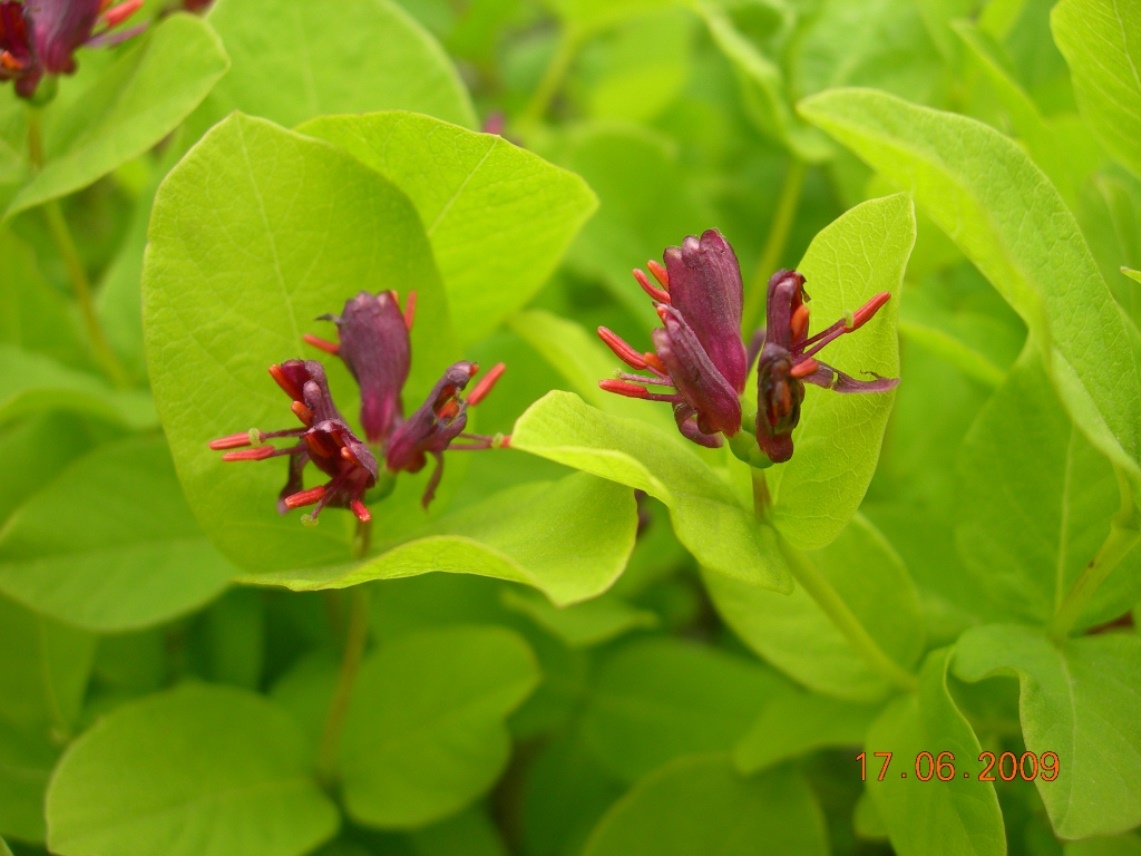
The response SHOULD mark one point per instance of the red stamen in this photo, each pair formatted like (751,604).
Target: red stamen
(321,344)
(10,62)
(410,310)
(258,453)
(305,497)
(319,446)
(656,293)
(621,350)
(505,441)
(862,315)
(360,511)
(485,386)
(348,455)
(655,362)
(118,14)
(448,410)
(284,382)
(233,441)
(804,369)
(799,322)
(659,273)
(302,412)
(621,387)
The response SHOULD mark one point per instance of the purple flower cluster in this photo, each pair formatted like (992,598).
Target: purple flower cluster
(375,346)
(700,355)
(39,37)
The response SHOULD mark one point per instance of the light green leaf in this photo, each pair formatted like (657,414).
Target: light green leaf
(660,699)
(1134,275)
(987,195)
(26,762)
(796,724)
(424,734)
(586,18)
(499,217)
(1101,41)
(36,450)
(110,544)
(961,814)
(129,108)
(197,771)
(32,383)
(581,625)
(709,521)
(235,270)
(471,833)
(796,636)
(837,442)
(33,315)
(1080,701)
(570,539)
(701,805)
(1123,845)
(1026,544)
(294,61)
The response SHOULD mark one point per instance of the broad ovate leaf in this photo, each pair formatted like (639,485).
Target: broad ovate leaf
(499,217)
(838,439)
(708,519)
(1079,700)
(197,771)
(1003,213)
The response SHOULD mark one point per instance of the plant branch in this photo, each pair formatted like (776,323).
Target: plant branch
(775,245)
(355,639)
(552,80)
(1124,534)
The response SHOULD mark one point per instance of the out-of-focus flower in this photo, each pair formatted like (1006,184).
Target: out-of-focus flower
(788,361)
(41,37)
(326,440)
(698,352)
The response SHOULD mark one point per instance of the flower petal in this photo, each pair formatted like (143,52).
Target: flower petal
(694,375)
(837,381)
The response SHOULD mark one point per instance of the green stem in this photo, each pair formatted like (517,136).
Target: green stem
(355,639)
(76,272)
(1124,534)
(775,245)
(552,79)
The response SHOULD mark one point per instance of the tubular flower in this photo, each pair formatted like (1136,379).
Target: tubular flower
(58,28)
(440,420)
(698,351)
(788,361)
(326,440)
(375,345)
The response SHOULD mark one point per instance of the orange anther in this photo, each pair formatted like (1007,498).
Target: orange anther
(621,350)
(327,347)
(233,441)
(479,393)
(804,369)
(305,497)
(118,14)
(865,312)
(302,412)
(360,511)
(621,387)
(284,382)
(410,310)
(659,273)
(448,410)
(655,362)
(348,455)
(652,290)
(799,322)
(260,453)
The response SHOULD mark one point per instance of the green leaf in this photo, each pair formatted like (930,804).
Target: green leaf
(701,805)
(44,668)
(709,521)
(234,273)
(586,18)
(570,539)
(424,734)
(1026,544)
(660,699)
(1134,275)
(197,771)
(36,450)
(4,851)
(499,217)
(32,383)
(110,544)
(986,194)
(1101,41)
(1124,845)
(129,108)
(1081,702)
(581,625)
(798,723)
(961,814)
(471,833)
(796,636)
(837,443)
(294,61)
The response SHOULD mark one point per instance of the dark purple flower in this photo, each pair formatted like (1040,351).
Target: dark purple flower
(698,351)
(788,361)
(375,346)
(440,420)
(57,28)
(326,440)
